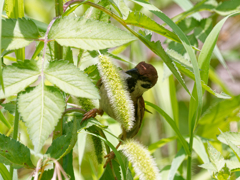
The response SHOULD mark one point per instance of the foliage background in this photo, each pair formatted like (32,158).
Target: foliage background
(154,126)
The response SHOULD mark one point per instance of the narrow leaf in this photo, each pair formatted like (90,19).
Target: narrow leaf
(18,33)
(14,153)
(4,121)
(1,60)
(70,79)
(41,109)
(141,20)
(153,147)
(172,124)
(4,172)
(177,161)
(18,76)
(88,34)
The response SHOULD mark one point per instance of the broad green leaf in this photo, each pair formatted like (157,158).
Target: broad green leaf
(65,143)
(70,79)
(220,111)
(209,166)
(47,174)
(234,137)
(18,76)
(234,148)
(141,20)
(224,173)
(199,148)
(215,157)
(41,109)
(153,147)
(108,174)
(18,33)
(233,165)
(177,161)
(4,173)
(123,8)
(228,7)
(185,67)
(172,124)
(88,34)
(14,153)
(202,31)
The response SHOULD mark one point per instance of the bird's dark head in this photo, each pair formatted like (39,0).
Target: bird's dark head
(142,77)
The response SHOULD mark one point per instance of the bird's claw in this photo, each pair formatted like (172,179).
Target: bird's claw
(109,157)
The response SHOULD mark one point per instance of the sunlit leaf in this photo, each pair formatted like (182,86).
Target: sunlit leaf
(228,7)
(70,79)
(215,157)
(18,33)
(88,34)
(41,109)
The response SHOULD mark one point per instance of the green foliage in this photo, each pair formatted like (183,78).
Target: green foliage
(18,33)
(96,34)
(8,155)
(50,92)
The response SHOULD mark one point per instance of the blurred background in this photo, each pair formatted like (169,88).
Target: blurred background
(154,127)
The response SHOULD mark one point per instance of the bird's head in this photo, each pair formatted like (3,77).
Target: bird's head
(142,77)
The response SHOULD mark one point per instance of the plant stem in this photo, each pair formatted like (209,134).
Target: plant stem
(15,133)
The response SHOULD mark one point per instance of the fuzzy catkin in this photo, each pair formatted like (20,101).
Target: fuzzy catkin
(117,92)
(143,163)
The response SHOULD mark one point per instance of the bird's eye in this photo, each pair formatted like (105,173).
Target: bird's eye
(146,86)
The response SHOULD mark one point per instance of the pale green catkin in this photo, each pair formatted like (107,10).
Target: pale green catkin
(143,163)
(86,103)
(117,92)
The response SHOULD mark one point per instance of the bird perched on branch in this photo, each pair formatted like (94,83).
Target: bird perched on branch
(138,80)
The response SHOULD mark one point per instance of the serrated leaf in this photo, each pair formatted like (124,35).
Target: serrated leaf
(88,34)
(188,24)
(234,137)
(122,7)
(18,33)
(18,76)
(14,153)
(215,157)
(186,67)
(70,79)
(220,110)
(203,30)
(141,20)
(41,109)
(228,7)
(234,148)
(233,165)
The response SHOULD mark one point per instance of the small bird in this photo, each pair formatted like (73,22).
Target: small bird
(138,80)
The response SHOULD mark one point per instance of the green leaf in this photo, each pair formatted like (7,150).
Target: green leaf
(234,148)
(14,153)
(199,148)
(228,7)
(209,166)
(41,109)
(220,110)
(215,157)
(172,124)
(88,34)
(4,120)
(18,33)
(4,172)
(1,60)
(188,24)
(92,72)
(97,14)
(64,144)
(177,161)
(233,165)
(141,20)
(185,67)
(18,76)
(234,137)
(70,79)
(122,7)
(153,147)
(108,174)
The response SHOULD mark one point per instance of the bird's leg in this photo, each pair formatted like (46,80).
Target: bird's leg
(111,155)
(92,113)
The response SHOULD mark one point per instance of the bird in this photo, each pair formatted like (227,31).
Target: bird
(138,80)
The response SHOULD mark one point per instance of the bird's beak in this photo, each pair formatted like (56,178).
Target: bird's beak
(133,73)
